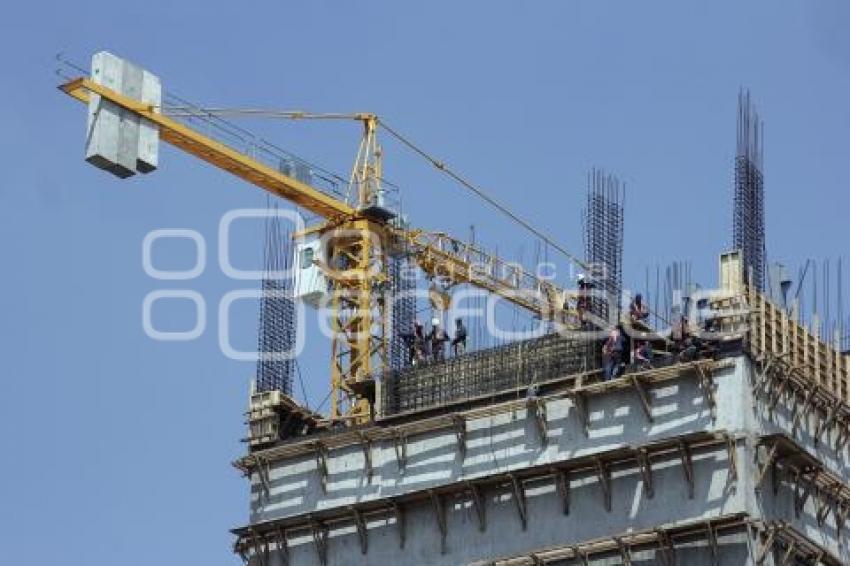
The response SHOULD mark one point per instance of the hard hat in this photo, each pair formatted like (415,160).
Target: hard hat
(435,321)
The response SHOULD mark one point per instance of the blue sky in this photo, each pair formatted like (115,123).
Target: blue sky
(118,447)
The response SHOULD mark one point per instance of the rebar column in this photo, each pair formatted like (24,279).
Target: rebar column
(748,206)
(277,325)
(603,251)
(402,285)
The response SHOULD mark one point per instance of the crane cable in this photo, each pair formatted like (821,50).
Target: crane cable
(490,200)
(440,165)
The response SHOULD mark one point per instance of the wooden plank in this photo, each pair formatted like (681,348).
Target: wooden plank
(846,365)
(795,354)
(815,342)
(807,354)
(786,338)
(762,326)
(830,370)
(774,347)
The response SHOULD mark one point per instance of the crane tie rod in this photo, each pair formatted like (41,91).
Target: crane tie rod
(441,166)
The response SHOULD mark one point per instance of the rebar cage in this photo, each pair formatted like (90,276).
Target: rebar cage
(486,372)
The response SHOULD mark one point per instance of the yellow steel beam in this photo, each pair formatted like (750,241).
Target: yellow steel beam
(440,255)
(218,154)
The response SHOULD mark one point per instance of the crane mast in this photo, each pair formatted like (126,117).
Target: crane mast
(358,237)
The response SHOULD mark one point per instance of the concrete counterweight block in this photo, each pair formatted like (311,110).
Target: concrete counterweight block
(118,140)
(128,129)
(104,119)
(148,157)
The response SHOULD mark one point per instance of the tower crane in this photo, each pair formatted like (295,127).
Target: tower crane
(358,234)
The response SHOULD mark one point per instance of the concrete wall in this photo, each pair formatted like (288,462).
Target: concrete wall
(734,550)
(761,421)
(510,441)
(780,506)
(547,524)
(496,444)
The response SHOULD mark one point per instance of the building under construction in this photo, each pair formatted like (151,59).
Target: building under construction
(728,446)
(735,457)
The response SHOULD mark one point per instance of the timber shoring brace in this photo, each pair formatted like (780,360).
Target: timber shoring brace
(663,540)
(599,465)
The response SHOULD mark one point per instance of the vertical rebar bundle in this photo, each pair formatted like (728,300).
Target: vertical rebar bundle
(748,209)
(402,284)
(277,326)
(603,242)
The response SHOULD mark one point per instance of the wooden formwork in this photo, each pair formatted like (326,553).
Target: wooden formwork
(272,414)
(775,332)
(402,428)
(259,538)
(778,539)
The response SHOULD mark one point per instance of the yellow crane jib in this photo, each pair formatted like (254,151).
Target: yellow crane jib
(441,255)
(216,153)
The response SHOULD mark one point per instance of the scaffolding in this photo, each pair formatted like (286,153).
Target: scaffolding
(603,242)
(277,326)
(748,206)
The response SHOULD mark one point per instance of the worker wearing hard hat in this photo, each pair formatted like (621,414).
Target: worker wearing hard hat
(415,343)
(438,339)
(583,298)
(459,341)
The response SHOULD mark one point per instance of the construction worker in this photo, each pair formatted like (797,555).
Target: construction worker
(459,341)
(642,355)
(437,337)
(689,348)
(686,342)
(583,299)
(416,343)
(637,310)
(612,354)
